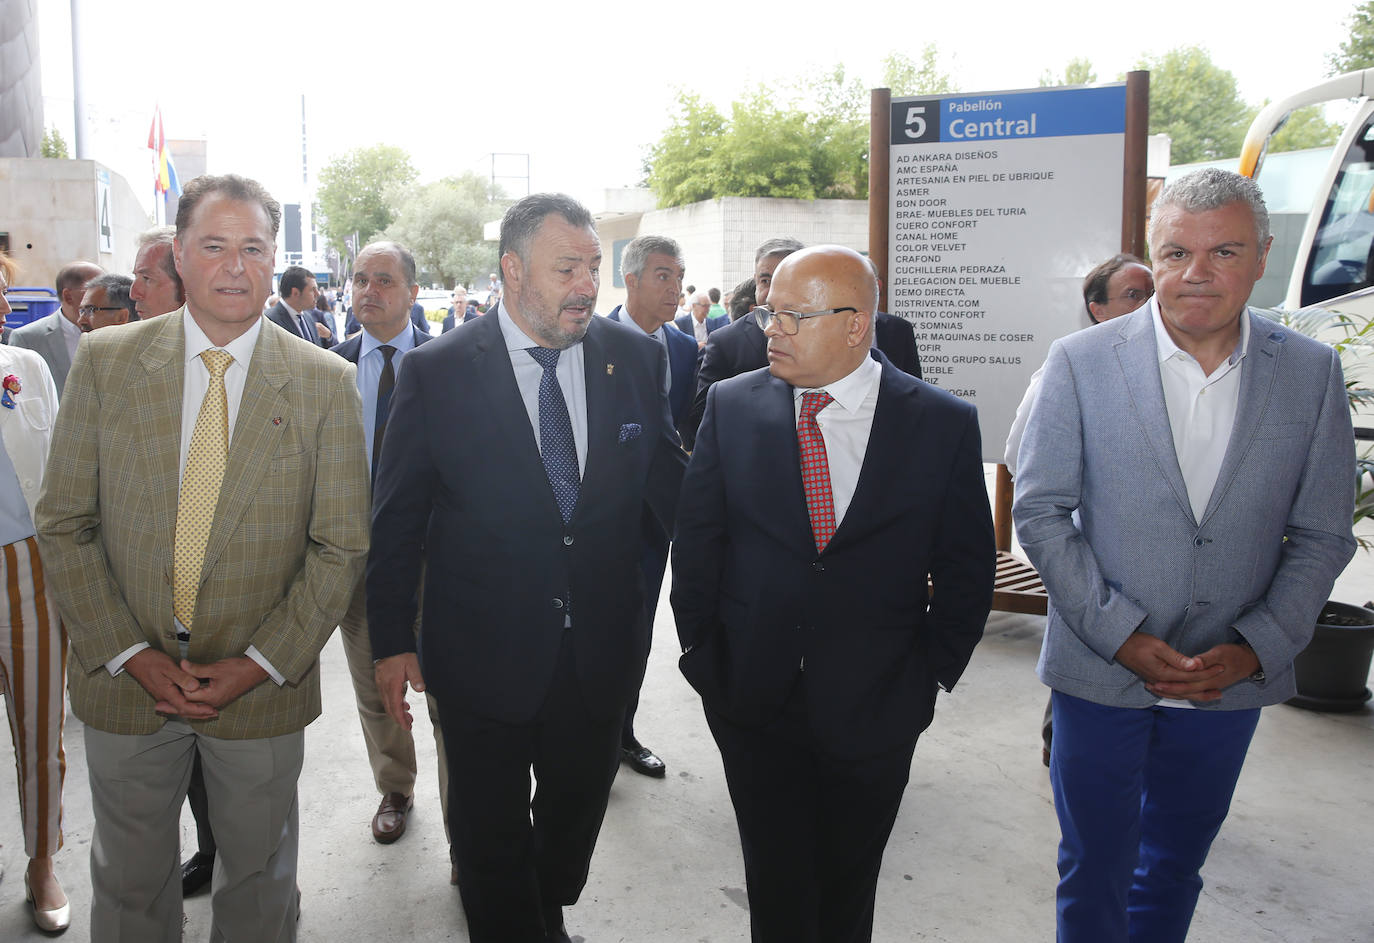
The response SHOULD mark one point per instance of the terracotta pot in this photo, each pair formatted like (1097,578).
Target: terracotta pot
(1334,668)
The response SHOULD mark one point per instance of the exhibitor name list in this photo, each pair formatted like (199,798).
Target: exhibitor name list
(938,284)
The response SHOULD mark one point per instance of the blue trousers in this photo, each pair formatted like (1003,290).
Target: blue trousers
(1140,793)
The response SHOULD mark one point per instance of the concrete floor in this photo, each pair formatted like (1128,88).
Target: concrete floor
(971,858)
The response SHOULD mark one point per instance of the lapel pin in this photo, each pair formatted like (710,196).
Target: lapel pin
(610,369)
(276,420)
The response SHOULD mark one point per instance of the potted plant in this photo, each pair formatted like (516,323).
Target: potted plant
(1333,670)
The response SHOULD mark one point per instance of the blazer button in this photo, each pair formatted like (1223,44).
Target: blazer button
(567,540)
(1198,542)
(818,566)
(557,603)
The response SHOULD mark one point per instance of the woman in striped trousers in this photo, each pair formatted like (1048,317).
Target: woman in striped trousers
(33,643)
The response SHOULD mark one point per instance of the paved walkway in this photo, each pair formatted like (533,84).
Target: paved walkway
(971,859)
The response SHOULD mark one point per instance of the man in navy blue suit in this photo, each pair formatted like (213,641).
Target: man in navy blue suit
(519,456)
(698,323)
(820,610)
(652,267)
(294,312)
(384,287)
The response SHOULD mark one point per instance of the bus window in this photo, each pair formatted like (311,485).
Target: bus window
(1340,261)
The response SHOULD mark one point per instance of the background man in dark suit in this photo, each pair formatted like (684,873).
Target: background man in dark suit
(461,310)
(293,312)
(652,267)
(801,592)
(384,287)
(698,323)
(519,455)
(741,346)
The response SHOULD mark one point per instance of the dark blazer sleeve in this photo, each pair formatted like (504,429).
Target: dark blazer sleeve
(402,499)
(450,321)
(728,352)
(897,340)
(320,318)
(699,538)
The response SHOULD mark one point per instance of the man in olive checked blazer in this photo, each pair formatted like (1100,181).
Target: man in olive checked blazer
(203,524)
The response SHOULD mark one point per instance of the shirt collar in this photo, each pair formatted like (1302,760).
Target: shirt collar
(294,312)
(240,348)
(404,341)
(68,328)
(850,391)
(625,318)
(1166,348)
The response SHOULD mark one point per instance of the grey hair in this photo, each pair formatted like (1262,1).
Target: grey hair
(402,253)
(636,254)
(116,291)
(698,296)
(163,236)
(1211,188)
(524,218)
(782,245)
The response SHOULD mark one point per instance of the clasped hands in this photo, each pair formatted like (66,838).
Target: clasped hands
(1171,674)
(191,691)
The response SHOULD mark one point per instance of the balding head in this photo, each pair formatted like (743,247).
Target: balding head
(827,347)
(71,286)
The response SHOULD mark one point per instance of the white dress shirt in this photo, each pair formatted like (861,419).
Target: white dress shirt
(1202,408)
(699,329)
(571,375)
(845,426)
(71,334)
(195,382)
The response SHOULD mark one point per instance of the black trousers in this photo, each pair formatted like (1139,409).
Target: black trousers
(519,859)
(812,826)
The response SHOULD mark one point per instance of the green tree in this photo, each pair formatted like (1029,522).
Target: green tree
(1196,103)
(1079,71)
(805,140)
(907,76)
(1357,51)
(54,145)
(354,189)
(441,223)
(1306,127)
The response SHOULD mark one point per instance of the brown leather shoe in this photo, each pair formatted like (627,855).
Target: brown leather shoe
(389,823)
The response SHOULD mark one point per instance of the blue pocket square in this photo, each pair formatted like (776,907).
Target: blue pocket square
(629,431)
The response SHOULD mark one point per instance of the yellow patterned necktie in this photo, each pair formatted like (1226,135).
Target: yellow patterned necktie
(200,485)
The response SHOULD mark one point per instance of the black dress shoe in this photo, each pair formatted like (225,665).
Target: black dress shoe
(554,931)
(196,872)
(643,761)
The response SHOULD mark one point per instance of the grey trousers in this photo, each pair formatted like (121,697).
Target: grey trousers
(137,786)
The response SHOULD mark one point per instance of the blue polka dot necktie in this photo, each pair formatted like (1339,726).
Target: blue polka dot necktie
(556,445)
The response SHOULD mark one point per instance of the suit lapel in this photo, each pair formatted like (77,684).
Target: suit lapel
(602,429)
(155,396)
(1257,373)
(1138,359)
(772,400)
(510,421)
(264,415)
(894,419)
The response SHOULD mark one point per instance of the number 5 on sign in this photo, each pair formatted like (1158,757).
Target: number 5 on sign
(915,115)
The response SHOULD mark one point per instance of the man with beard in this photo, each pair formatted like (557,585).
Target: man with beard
(519,454)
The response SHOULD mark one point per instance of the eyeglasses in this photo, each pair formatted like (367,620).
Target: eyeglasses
(789,322)
(87,310)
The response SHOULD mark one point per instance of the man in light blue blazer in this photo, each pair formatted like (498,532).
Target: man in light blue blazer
(1209,455)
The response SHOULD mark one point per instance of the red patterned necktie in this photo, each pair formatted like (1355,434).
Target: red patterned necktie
(815,469)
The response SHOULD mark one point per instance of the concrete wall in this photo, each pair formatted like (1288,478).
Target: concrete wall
(719,237)
(50,214)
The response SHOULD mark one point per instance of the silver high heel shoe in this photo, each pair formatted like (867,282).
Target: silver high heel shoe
(50,921)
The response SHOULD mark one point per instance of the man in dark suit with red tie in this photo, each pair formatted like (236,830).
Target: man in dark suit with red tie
(521,450)
(832,569)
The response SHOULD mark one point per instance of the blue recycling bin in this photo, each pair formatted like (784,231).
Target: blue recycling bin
(29,304)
